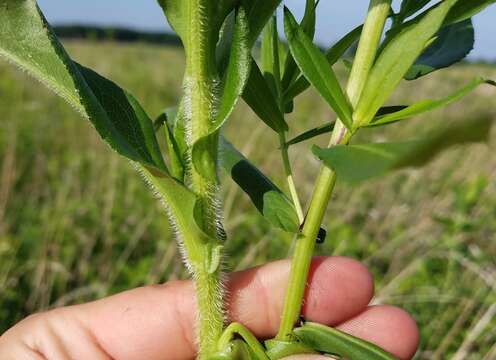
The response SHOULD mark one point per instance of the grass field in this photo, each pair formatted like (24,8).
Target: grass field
(76,222)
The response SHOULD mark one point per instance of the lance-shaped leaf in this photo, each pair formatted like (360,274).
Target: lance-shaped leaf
(270,60)
(451,45)
(259,12)
(204,152)
(327,128)
(335,53)
(464,10)
(27,40)
(356,163)
(313,64)
(310,134)
(261,100)
(425,106)
(396,58)
(410,7)
(291,70)
(176,161)
(223,49)
(271,202)
(331,341)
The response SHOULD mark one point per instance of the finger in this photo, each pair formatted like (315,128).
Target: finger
(339,288)
(389,327)
(161,320)
(158,322)
(307,357)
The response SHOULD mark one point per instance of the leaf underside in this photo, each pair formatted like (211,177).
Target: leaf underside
(271,202)
(29,42)
(452,44)
(357,163)
(334,342)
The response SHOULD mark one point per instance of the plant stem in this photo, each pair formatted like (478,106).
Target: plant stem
(289,177)
(367,48)
(270,64)
(211,313)
(300,266)
(201,81)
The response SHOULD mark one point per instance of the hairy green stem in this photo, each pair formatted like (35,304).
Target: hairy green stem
(201,81)
(305,244)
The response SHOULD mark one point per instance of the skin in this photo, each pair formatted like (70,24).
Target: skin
(157,322)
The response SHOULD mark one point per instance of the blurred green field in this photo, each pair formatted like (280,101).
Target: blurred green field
(76,222)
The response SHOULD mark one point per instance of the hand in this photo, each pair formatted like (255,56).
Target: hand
(157,322)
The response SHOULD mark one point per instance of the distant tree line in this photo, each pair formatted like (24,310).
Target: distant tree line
(96,33)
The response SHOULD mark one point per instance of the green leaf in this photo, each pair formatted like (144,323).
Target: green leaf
(310,134)
(333,55)
(261,100)
(204,151)
(291,70)
(331,341)
(357,163)
(181,204)
(464,10)
(424,106)
(279,349)
(271,202)
(259,13)
(270,56)
(386,110)
(316,69)
(396,58)
(126,115)
(410,7)
(223,49)
(29,42)
(452,44)
(176,161)
(179,130)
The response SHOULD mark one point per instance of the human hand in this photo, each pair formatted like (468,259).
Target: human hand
(157,322)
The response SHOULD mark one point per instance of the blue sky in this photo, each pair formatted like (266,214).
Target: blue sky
(335,18)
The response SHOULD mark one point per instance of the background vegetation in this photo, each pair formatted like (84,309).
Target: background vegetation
(76,223)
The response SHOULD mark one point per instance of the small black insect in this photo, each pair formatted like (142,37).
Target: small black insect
(300,322)
(321,236)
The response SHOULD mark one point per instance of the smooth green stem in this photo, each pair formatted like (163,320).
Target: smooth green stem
(371,36)
(305,244)
(289,177)
(270,62)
